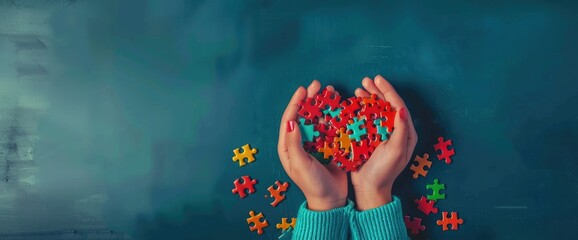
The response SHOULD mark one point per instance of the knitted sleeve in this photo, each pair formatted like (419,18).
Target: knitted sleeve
(385,222)
(320,225)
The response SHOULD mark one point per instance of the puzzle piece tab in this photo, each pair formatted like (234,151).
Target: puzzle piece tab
(284,225)
(454,220)
(419,165)
(278,192)
(436,187)
(257,223)
(426,206)
(248,153)
(414,226)
(307,131)
(242,184)
(443,147)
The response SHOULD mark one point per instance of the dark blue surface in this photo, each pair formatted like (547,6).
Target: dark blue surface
(163,92)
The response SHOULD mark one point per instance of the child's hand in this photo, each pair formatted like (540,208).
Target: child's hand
(324,187)
(374,180)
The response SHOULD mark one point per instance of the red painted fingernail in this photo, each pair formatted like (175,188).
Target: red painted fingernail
(290,126)
(403,114)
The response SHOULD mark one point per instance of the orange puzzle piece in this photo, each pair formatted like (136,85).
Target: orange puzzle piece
(277,192)
(284,225)
(453,220)
(343,140)
(257,223)
(422,162)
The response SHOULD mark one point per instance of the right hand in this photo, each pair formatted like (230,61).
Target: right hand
(324,186)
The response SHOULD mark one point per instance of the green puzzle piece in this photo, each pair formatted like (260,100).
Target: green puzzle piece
(436,187)
(307,131)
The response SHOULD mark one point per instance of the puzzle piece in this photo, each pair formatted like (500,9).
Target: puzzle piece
(325,130)
(443,146)
(307,131)
(361,150)
(310,108)
(381,130)
(277,192)
(332,113)
(426,206)
(389,119)
(371,100)
(453,220)
(350,107)
(284,225)
(344,162)
(257,223)
(357,129)
(414,226)
(343,140)
(248,153)
(329,98)
(339,122)
(242,184)
(436,187)
(328,149)
(419,164)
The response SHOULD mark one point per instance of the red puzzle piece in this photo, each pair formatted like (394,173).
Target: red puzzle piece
(329,98)
(361,150)
(350,107)
(246,184)
(426,206)
(344,162)
(453,220)
(443,146)
(414,226)
(277,192)
(310,109)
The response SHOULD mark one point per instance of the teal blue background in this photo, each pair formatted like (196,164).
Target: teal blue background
(149,98)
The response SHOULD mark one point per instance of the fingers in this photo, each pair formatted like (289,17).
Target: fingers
(361,93)
(313,88)
(399,137)
(289,114)
(389,92)
(369,85)
(296,153)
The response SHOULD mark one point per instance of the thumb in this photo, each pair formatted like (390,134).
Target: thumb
(400,133)
(293,141)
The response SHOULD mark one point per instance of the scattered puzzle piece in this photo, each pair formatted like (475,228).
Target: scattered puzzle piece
(257,223)
(443,147)
(453,220)
(277,192)
(284,225)
(436,187)
(414,226)
(419,165)
(242,184)
(248,153)
(426,206)
(307,131)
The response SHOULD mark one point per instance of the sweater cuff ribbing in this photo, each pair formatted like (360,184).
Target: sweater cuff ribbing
(331,224)
(376,223)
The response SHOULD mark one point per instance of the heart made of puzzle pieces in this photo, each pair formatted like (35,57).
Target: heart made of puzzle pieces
(347,131)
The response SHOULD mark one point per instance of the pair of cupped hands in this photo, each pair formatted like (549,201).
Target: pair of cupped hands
(325,186)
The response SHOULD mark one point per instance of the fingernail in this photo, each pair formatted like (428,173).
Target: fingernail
(290,126)
(403,114)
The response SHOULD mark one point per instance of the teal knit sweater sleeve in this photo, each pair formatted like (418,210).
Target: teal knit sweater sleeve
(320,225)
(385,222)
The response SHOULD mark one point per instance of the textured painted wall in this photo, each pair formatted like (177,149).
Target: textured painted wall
(118,118)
